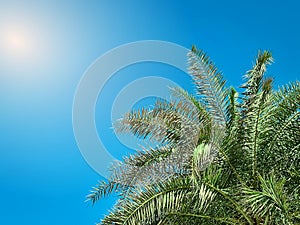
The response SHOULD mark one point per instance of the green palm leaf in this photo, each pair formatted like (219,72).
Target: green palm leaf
(204,154)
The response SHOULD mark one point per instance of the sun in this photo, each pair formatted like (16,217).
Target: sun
(30,46)
(17,43)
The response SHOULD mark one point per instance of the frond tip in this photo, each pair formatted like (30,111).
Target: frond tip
(102,190)
(210,84)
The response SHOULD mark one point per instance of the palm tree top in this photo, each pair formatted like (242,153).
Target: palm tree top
(215,157)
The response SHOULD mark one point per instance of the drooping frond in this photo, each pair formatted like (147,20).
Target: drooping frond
(153,165)
(179,125)
(188,124)
(165,123)
(189,98)
(150,204)
(146,123)
(135,170)
(148,156)
(210,84)
(201,119)
(103,189)
(167,203)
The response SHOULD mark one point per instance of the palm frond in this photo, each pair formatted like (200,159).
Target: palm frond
(271,200)
(183,95)
(281,140)
(232,110)
(200,121)
(254,77)
(150,166)
(254,104)
(210,84)
(146,123)
(103,189)
(165,123)
(204,155)
(148,156)
(150,204)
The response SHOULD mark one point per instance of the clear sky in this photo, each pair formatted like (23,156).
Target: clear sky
(45,47)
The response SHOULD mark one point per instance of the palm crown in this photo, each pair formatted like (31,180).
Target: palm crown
(214,158)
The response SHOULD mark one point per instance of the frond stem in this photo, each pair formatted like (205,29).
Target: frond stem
(237,207)
(232,167)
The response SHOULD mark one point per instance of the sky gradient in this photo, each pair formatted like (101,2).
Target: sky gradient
(45,48)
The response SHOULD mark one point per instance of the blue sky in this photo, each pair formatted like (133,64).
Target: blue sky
(45,48)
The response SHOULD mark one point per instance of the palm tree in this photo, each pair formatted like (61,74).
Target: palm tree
(217,158)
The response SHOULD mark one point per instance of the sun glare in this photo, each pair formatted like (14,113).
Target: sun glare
(17,43)
(30,46)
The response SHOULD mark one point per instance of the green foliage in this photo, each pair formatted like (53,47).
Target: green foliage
(218,157)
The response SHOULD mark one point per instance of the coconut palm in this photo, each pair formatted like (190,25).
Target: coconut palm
(218,157)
